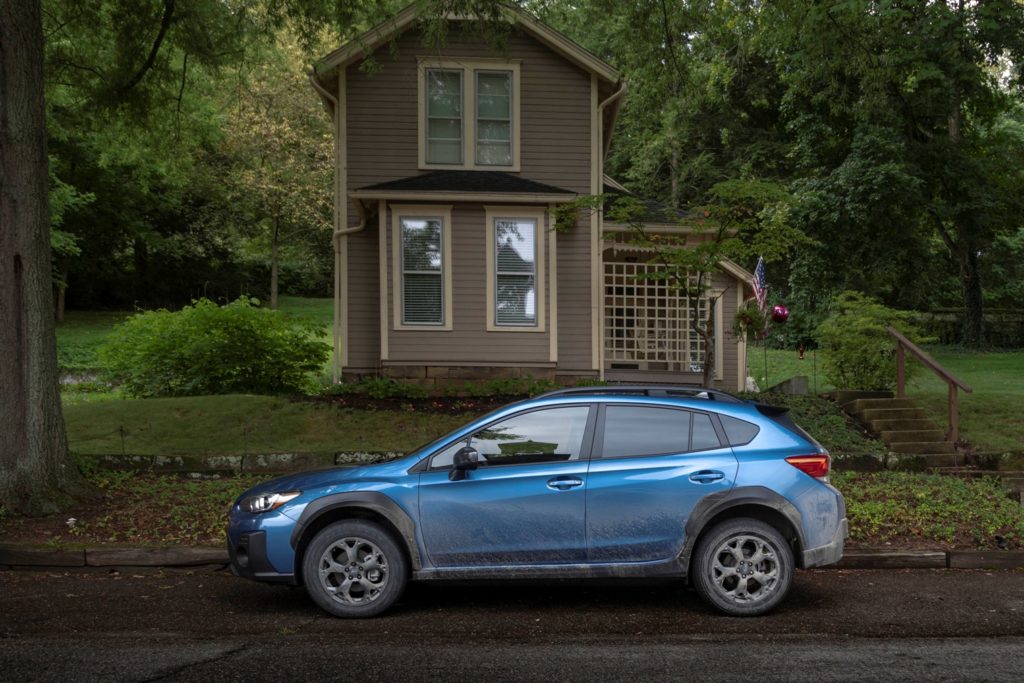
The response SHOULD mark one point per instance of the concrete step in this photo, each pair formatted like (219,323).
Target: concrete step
(921,462)
(844,396)
(912,436)
(903,425)
(922,447)
(861,404)
(869,416)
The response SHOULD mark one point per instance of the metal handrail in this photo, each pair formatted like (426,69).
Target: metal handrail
(903,344)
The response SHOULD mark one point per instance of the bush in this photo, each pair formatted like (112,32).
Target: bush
(209,349)
(857,351)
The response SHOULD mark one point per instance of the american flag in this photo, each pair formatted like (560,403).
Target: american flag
(760,285)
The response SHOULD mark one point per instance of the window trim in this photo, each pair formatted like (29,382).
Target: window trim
(597,449)
(586,446)
(493,213)
(444,212)
(468,67)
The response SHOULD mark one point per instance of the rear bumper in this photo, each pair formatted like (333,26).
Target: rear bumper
(248,553)
(831,552)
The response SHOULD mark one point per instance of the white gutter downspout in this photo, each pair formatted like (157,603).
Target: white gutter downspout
(340,234)
(600,216)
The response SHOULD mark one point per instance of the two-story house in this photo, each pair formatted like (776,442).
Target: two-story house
(449,165)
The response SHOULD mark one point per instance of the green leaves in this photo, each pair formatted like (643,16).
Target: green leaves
(209,349)
(856,347)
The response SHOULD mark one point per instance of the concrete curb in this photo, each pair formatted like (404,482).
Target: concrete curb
(26,557)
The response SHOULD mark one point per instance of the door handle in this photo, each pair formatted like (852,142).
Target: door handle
(564,483)
(706,476)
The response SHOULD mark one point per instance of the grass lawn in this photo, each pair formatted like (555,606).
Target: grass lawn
(81,334)
(232,425)
(989,417)
(895,509)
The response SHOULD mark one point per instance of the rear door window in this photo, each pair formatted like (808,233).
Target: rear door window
(633,431)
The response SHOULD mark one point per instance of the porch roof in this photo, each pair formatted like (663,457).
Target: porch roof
(490,182)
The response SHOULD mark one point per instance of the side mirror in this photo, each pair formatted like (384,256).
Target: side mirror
(465,459)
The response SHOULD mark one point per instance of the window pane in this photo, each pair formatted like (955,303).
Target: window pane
(541,436)
(421,244)
(494,83)
(444,93)
(739,432)
(516,300)
(632,430)
(444,152)
(493,131)
(704,436)
(494,153)
(422,299)
(444,129)
(515,241)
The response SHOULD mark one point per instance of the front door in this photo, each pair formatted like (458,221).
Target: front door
(524,505)
(650,466)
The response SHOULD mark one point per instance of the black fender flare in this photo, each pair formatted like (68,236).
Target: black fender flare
(372,501)
(711,506)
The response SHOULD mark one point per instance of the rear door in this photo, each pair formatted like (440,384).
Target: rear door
(650,466)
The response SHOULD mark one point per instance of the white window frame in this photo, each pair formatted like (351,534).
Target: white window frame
(493,213)
(421,211)
(469,68)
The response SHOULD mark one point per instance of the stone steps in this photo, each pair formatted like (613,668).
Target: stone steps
(913,438)
(895,436)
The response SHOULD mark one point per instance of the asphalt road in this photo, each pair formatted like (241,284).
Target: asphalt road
(836,626)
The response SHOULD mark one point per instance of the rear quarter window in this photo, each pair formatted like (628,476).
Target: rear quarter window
(738,432)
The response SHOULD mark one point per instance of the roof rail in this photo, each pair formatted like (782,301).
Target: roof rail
(648,390)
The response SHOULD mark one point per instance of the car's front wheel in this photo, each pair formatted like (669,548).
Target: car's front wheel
(743,567)
(354,568)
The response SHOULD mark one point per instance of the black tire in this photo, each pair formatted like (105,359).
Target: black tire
(354,569)
(743,567)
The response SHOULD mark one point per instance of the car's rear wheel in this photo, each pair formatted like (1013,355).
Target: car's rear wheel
(354,569)
(743,567)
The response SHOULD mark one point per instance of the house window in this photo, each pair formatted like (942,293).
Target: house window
(422,266)
(485,137)
(515,269)
(444,117)
(494,118)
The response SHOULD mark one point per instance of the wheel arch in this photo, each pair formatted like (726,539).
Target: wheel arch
(755,502)
(370,506)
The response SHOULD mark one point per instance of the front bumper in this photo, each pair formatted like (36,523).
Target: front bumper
(831,552)
(248,553)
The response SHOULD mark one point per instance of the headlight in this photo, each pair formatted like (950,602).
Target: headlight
(265,502)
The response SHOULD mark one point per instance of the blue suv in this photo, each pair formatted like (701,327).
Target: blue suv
(614,481)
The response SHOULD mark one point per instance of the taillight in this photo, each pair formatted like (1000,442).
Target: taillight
(815,465)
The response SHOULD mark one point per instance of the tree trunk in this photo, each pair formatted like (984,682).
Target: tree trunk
(274,262)
(970,283)
(62,290)
(36,473)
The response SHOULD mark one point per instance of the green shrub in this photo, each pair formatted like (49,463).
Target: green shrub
(857,351)
(209,349)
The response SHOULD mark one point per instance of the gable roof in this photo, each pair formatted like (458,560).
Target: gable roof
(386,30)
(468,181)
(654,212)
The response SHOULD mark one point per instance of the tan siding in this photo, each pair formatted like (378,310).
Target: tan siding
(574,320)
(730,351)
(555,127)
(468,341)
(363,307)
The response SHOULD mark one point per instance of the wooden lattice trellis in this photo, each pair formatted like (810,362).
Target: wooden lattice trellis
(647,322)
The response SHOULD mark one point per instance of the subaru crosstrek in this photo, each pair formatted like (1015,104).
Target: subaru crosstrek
(614,481)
